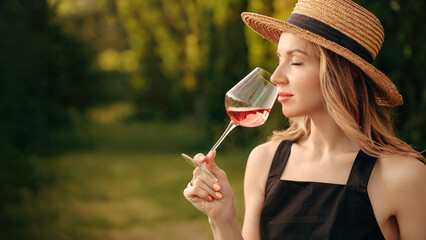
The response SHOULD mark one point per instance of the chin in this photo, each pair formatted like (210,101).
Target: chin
(288,113)
(301,110)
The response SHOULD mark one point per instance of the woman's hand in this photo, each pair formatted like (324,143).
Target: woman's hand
(214,198)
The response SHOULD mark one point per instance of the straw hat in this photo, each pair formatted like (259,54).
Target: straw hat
(341,26)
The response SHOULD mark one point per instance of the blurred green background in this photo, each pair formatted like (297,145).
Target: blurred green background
(98,98)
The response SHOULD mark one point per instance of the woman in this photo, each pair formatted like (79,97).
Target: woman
(338,171)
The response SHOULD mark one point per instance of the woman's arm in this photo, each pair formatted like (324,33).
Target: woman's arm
(215,199)
(397,189)
(409,196)
(256,174)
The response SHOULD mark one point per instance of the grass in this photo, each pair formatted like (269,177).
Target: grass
(127,185)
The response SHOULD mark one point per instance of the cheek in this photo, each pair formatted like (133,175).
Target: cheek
(305,84)
(309,84)
(309,96)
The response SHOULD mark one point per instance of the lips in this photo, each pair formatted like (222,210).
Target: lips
(282,96)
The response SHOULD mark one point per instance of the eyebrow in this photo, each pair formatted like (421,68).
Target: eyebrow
(293,51)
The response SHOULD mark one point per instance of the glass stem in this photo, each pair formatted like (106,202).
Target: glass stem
(231,126)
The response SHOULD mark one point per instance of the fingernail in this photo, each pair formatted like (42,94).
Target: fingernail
(216,187)
(210,199)
(218,195)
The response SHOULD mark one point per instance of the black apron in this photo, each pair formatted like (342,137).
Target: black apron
(314,210)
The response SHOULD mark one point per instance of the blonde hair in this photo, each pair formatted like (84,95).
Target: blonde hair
(348,96)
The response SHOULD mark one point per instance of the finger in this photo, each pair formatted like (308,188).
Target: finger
(209,160)
(200,184)
(190,183)
(192,193)
(222,185)
(202,158)
(199,157)
(199,173)
(220,175)
(197,162)
(209,184)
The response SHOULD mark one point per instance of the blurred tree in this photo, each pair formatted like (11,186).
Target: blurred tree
(45,74)
(261,51)
(178,58)
(402,59)
(45,78)
(167,36)
(226,61)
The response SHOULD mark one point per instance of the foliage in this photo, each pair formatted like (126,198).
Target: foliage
(402,59)
(45,74)
(45,79)
(171,60)
(178,58)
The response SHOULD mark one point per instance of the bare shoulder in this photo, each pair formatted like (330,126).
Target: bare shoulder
(397,188)
(401,171)
(400,181)
(264,153)
(259,163)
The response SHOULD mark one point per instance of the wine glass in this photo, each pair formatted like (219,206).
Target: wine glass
(248,104)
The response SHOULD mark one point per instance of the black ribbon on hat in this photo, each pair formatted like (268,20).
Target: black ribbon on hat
(315,26)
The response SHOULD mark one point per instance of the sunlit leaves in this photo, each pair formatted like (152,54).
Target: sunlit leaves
(111,60)
(260,51)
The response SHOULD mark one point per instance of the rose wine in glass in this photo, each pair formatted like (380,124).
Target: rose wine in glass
(248,116)
(248,104)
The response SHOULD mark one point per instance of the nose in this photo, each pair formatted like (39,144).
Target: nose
(279,77)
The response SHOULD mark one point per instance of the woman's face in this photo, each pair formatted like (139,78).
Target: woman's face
(297,77)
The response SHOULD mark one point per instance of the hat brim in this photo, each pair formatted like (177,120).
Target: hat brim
(270,28)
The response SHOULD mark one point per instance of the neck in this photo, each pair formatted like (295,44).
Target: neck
(327,137)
